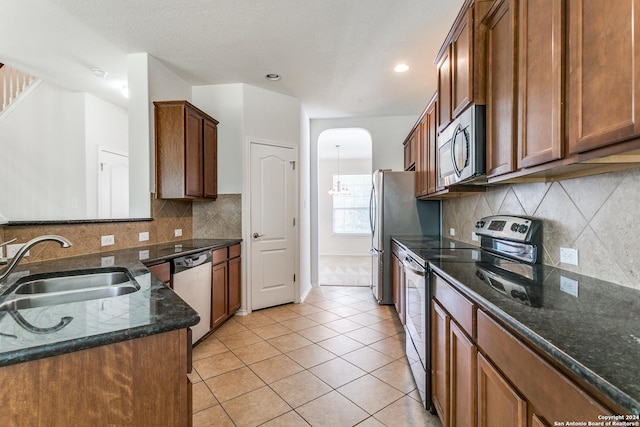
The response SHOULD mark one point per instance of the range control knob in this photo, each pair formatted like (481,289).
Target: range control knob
(523,228)
(480,224)
(514,227)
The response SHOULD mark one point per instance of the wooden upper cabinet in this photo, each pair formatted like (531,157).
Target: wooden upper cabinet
(540,79)
(461,63)
(501,87)
(410,152)
(432,146)
(444,90)
(210,153)
(186,151)
(604,73)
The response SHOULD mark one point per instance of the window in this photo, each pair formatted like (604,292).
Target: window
(351,212)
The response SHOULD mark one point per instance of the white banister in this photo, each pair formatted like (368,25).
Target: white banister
(12,83)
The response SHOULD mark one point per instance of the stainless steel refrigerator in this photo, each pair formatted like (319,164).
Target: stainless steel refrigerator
(394,210)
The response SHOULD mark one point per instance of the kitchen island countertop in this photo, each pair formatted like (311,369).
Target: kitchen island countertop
(28,334)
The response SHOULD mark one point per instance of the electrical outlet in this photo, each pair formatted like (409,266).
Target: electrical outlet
(569,256)
(143,237)
(474,236)
(178,232)
(108,240)
(12,250)
(452,232)
(107,261)
(569,286)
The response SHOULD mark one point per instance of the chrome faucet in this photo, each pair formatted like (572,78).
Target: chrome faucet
(25,248)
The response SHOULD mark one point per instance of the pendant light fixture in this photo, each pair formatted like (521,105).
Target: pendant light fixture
(339,189)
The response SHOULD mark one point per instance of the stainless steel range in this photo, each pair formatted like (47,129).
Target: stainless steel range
(507,260)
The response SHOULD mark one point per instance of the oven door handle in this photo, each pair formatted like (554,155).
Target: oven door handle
(409,264)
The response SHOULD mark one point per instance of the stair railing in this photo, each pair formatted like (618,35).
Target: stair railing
(12,83)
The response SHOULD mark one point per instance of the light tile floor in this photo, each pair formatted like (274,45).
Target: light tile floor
(351,270)
(335,360)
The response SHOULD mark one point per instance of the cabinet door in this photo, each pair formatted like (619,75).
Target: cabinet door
(461,65)
(210,153)
(499,405)
(440,361)
(219,311)
(193,154)
(444,90)
(421,158)
(462,355)
(409,152)
(604,73)
(432,145)
(501,88)
(235,283)
(540,80)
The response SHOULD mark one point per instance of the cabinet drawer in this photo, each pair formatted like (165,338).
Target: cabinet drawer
(234,251)
(219,255)
(550,392)
(460,308)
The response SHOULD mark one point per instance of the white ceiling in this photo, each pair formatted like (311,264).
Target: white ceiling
(336,56)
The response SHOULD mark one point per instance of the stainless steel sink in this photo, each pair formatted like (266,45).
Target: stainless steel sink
(62,288)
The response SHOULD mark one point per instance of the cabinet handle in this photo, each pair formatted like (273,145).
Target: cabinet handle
(256,235)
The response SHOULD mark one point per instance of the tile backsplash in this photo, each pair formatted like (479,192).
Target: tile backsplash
(220,219)
(595,215)
(168,215)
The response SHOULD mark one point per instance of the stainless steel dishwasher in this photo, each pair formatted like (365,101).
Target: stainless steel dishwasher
(191,280)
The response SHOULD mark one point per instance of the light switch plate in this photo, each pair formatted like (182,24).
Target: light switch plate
(178,232)
(143,237)
(452,232)
(12,250)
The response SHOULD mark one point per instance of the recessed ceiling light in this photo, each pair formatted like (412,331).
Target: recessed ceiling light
(401,68)
(99,72)
(272,76)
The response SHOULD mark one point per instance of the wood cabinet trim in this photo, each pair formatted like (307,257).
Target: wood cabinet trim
(550,391)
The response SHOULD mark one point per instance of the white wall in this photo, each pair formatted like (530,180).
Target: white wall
(328,242)
(42,165)
(387,135)
(107,127)
(225,103)
(305,206)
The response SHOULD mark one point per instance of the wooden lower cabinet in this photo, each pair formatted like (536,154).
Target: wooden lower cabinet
(462,377)
(138,382)
(225,284)
(440,362)
(219,287)
(499,404)
(483,374)
(453,361)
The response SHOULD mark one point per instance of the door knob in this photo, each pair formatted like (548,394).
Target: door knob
(256,235)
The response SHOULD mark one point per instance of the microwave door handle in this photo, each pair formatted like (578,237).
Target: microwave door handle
(454,139)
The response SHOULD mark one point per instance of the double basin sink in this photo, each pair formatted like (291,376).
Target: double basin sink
(40,290)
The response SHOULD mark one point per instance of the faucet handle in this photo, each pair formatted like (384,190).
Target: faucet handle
(8,241)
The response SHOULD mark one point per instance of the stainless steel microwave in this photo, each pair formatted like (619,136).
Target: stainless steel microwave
(461,145)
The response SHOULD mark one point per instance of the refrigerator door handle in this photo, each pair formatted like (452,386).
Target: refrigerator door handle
(375,252)
(371,210)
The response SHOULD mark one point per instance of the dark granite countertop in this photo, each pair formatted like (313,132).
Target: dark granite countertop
(594,335)
(27,334)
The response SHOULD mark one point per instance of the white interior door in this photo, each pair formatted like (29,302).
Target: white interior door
(113,185)
(272,225)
